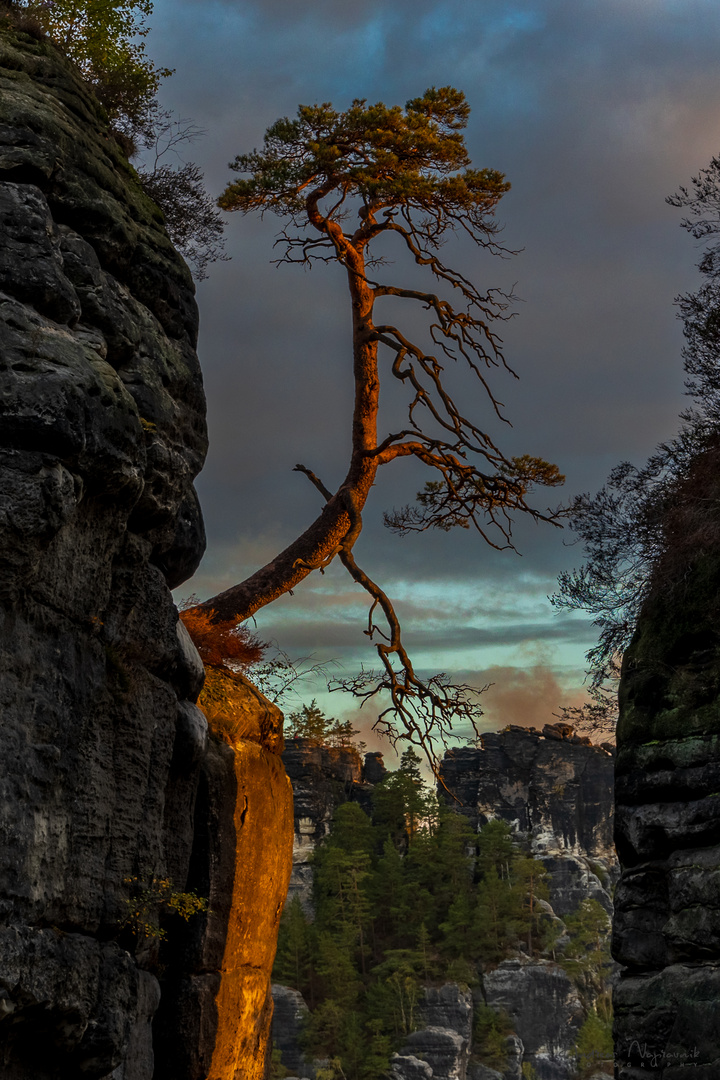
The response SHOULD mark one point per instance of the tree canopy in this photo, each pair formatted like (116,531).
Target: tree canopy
(412,896)
(347,185)
(105,39)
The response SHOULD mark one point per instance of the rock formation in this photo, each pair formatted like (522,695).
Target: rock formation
(443,1038)
(556,792)
(322,778)
(109,784)
(667,922)
(554,788)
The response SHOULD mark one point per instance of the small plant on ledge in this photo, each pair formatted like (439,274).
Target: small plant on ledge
(143,908)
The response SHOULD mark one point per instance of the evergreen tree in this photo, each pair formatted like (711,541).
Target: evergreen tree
(586,957)
(341,734)
(296,947)
(594,1046)
(497,919)
(411,896)
(490,1031)
(496,848)
(309,722)
(529,878)
(402,802)
(346,185)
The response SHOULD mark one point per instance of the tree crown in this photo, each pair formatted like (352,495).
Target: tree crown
(391,158)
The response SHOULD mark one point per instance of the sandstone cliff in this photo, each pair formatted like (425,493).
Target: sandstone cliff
(109,784)
(552,787)
(322,778)
(556,792)
(667,914)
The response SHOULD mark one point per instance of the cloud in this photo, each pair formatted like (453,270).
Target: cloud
(525,696)
(596,110)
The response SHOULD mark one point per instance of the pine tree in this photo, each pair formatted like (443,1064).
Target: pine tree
(586,957)
(594,1046)
(497,919)
(309,722)
(496,848)
(529,878)
(296,946)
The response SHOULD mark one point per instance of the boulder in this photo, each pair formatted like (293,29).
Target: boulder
(408,1067)
(445,1050)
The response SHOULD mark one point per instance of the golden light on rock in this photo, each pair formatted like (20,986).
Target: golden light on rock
(263,861)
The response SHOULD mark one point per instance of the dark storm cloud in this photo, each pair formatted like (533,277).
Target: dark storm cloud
(595,109)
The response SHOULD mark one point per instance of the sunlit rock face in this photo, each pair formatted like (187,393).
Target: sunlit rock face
(107,771)
(667,905)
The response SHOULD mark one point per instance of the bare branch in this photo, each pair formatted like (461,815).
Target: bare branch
(421,711)
(314,479)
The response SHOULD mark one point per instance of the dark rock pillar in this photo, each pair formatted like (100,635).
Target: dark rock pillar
(667,903)
(102,430)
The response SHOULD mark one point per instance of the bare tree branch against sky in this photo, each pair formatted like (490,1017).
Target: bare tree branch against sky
(595,111)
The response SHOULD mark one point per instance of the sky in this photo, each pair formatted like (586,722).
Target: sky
(595,110)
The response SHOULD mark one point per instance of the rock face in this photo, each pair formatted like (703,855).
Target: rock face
(322,778)
(289,1016)
(545,1011)
(108,782)
(555,789)
(667,921)
(442,1041)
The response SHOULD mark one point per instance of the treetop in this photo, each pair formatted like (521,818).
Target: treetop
(390,157)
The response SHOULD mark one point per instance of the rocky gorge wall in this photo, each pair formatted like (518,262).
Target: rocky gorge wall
(667,906)
(322,778)
(555,790)
(110,784)
(553,787)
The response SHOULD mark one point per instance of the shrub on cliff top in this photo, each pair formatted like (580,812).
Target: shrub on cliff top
(105,40)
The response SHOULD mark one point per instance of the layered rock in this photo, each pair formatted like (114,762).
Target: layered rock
(667,921)
(289,1017)
(322,778)
(553,788)
(443,1037)
(109,784)
(545,1010)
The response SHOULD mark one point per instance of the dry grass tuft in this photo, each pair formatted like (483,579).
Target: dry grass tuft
(221,644)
